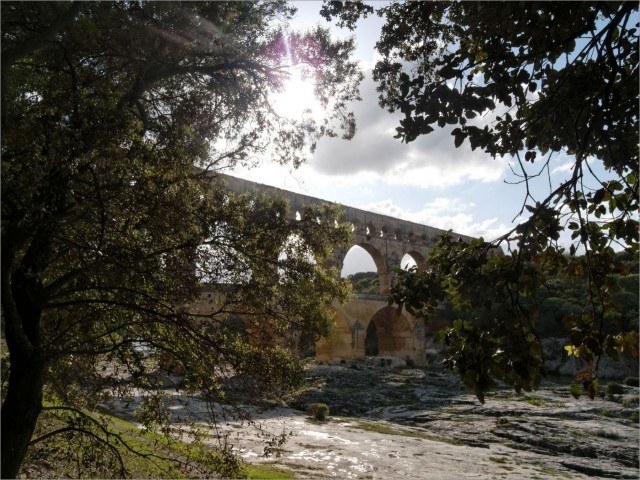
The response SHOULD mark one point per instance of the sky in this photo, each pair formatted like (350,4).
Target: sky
(427,181)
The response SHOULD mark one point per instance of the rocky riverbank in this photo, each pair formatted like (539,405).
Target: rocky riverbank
(409,423)
(393,423)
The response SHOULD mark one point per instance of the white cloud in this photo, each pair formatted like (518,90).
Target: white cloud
(430,161)
(565,167)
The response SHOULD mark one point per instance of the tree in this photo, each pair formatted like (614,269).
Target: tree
(527,81)
(115,119)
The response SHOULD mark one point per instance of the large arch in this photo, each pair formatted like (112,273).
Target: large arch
(381,266)
(391,333)
(421,262)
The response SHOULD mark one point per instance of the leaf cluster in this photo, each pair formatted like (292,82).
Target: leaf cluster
(497,299)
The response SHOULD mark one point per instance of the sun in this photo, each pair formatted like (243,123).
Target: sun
(297,100)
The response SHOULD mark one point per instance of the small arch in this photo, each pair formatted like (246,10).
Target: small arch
(399,234)
(370,231)
(234,326)
(407,262)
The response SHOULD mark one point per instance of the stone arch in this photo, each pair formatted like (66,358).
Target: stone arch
(371,341)
(391,333)
(421,262)
(381,266)
(234,325)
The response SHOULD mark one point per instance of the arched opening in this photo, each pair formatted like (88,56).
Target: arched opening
(407,262)
(365,267)
(411,259)
(371,348)
(390,334)
(360,269)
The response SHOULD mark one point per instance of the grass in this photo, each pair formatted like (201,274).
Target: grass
(605,412)
(536,401)
(498,459)
(61,464)
(268,471)
(149,455)
(542,468)
(386,429)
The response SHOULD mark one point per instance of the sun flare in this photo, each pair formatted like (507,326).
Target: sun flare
(297,99)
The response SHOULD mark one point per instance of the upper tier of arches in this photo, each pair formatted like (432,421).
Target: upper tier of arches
(386,239)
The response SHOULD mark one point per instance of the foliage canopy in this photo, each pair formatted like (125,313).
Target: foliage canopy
(116,117)
(531,81)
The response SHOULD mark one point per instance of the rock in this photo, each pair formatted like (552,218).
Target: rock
(549,424)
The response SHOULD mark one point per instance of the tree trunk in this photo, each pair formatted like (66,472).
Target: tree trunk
(22,310)
(20,411)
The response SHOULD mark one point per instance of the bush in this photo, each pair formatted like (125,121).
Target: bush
(632,381)
(614,388)
(319,411)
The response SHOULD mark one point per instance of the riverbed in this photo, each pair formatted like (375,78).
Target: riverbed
(412,423)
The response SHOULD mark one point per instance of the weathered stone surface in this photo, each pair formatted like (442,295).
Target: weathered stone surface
(415,424)
(571,437)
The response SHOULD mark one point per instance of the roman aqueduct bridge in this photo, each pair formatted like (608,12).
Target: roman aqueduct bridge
(366,325)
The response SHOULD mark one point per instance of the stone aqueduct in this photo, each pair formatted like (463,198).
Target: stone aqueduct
(387,240)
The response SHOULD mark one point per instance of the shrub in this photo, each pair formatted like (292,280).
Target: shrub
(319,411)
(614,388)
(576,390)
(632,381)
